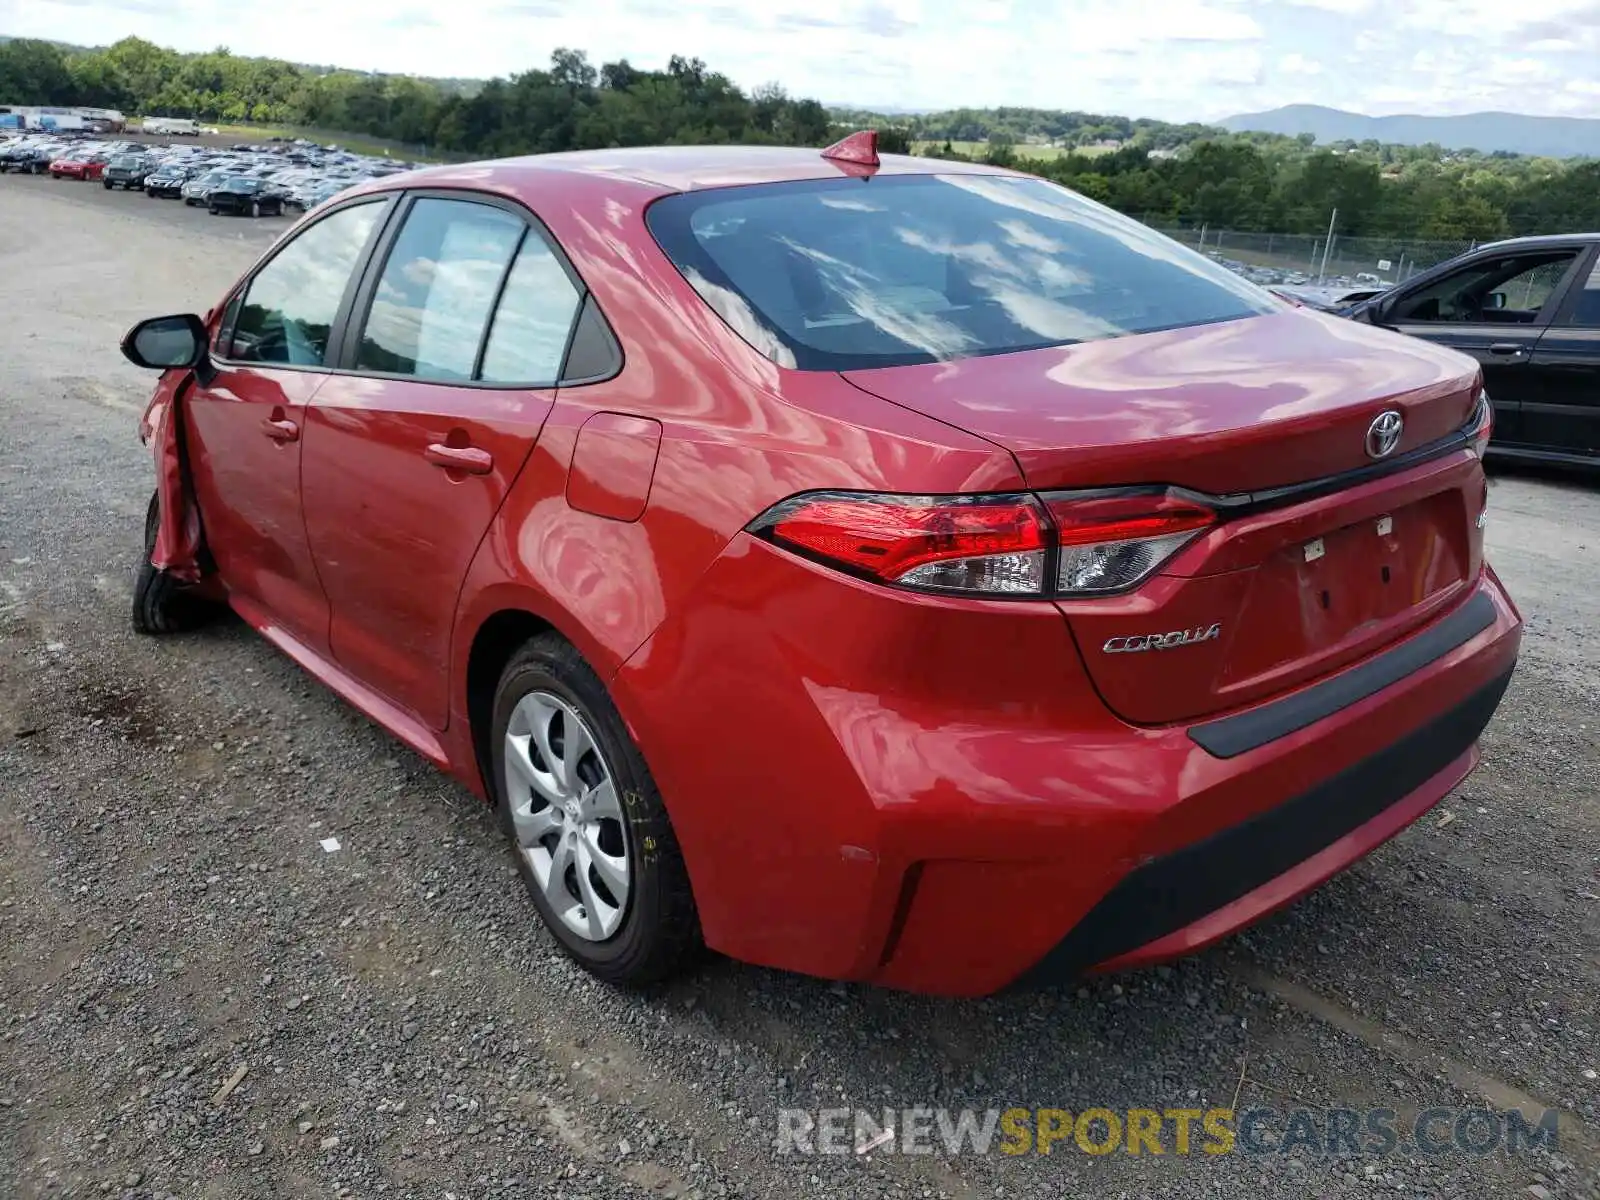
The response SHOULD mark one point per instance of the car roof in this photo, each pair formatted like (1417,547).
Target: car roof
(663,170)
(1538,240)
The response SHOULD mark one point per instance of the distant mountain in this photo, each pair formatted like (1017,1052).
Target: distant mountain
(1555,137)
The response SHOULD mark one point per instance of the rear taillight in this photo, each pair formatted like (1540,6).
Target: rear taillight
(983,544)
(1064,544)
(1112,540)
(1480,425)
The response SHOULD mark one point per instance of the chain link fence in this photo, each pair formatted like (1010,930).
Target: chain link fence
(1301,258)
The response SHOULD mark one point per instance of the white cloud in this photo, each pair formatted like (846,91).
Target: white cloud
(1298,64)
(1166,58)
(1346,7)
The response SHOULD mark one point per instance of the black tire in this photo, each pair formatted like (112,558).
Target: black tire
(162,604)
(659,934)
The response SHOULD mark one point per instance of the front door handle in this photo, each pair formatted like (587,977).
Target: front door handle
(281,429)
(460,458)
(1507,349)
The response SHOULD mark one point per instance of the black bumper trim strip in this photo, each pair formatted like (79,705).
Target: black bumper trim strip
(1232,736)
(1169,893)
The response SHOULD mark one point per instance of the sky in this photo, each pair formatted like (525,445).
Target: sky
(1174,59)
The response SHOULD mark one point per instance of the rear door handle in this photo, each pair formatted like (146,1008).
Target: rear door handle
(1507,349)
(460,458)
(281,430)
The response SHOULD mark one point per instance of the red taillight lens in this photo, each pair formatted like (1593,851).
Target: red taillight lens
(1112,540)
(983,544)
(1073,544)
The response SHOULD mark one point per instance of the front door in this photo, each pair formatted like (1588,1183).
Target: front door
(246,423)
(1493,308)
(446,379)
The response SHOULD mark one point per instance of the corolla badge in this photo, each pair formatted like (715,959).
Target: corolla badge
(1163,641)
(1383,435)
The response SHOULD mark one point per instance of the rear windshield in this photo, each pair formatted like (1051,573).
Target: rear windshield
(845,274)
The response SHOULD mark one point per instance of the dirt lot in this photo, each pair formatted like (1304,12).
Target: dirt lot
(168,917)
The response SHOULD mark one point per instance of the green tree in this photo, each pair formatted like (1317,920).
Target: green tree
(34,72)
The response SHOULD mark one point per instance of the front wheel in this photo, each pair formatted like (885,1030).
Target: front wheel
(591,835)
(161,602)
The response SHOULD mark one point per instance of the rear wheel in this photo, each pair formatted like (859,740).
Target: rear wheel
(161,602)
(593,842)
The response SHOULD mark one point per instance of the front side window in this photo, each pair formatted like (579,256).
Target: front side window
(1506,290)
(289,306)
(841,274)
(437,289)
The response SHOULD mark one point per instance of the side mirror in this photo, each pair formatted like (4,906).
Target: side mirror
(1495,300)
(161,343)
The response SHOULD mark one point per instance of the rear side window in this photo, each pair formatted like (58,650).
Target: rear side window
(290,305)
(845,274)
(437,290)
(1586,310)
(534,320)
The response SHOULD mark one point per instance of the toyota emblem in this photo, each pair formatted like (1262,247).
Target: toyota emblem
(1383,435)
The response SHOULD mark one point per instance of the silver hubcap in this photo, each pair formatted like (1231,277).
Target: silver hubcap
(567,815)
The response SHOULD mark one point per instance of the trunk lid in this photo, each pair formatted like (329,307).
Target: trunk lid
(1294,591)
(1231,407)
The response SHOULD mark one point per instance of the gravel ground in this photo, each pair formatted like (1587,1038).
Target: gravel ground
(391,1020)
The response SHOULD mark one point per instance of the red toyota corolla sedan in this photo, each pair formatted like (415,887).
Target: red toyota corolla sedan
(898,571)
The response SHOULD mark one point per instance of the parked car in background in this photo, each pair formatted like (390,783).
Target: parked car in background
(308,196)
(1528,310)
(198,190)
(796,581)
(78,166)
(243,195)
(25,158)
(127,172)
(167,182)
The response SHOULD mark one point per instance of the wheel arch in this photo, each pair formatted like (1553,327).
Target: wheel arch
(496,638)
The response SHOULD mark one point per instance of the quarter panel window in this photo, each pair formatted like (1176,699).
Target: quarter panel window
(289,307)
(438,287)
(534,319)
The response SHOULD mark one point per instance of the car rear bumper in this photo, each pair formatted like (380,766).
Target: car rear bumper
(1187,899)
(918,793)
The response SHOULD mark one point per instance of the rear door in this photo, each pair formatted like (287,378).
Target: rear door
(1562,412)
(447,372)
(1494,307)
